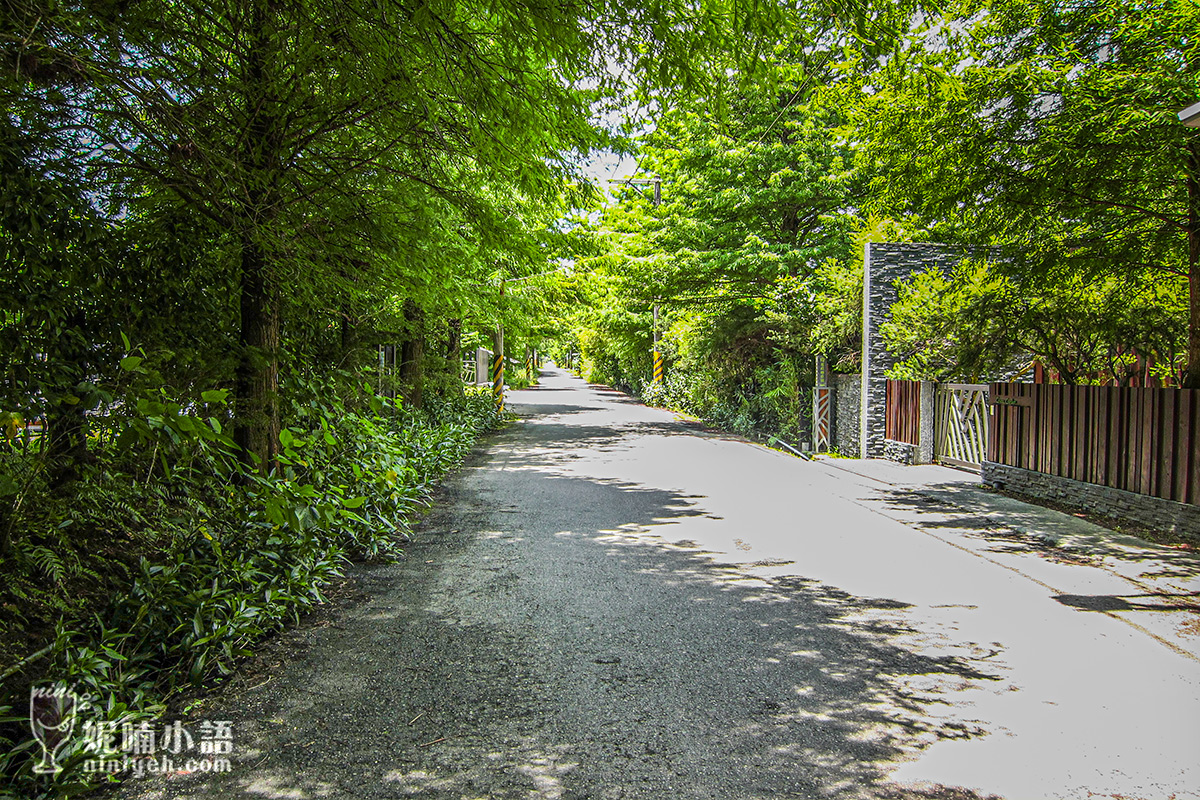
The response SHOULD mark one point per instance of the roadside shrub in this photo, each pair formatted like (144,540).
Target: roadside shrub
(202,557)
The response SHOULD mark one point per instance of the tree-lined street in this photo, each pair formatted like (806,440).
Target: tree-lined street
(269,269)
(612,602)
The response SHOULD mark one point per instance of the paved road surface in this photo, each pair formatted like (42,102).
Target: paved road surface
(611,603)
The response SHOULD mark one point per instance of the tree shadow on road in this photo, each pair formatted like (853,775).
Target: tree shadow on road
(560,645)
(551,409)
(1022,528)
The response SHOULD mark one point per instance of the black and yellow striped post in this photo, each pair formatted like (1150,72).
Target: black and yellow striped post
(498,380)
(658,365)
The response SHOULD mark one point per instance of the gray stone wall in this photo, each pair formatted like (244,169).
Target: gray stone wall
(900,452)
(884,264)
(925,450)
(1166,515)
(845,434)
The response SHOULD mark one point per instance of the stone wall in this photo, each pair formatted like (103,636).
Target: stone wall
(900,452)
(1154,512)
(884,264)
(846,405)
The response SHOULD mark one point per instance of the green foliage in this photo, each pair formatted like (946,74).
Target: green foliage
(721,370)
(1049,129)
(985,320)
(749,258)
(192,557)
(261,170)
(1044,130)
(1041,123)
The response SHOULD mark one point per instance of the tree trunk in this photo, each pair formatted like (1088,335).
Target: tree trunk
(1191,380)
(454,342)
(256,430)
(412,354)
(257,405)
(66,443)
(348,341)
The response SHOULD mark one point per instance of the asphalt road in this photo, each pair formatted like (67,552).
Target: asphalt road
(609,602)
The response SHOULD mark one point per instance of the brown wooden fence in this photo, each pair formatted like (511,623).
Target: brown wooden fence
(902,422)
(1141,440)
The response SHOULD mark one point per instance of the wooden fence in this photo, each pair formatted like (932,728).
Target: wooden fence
(1142,440)
(902,422)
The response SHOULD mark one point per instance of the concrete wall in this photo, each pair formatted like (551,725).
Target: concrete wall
(845,434)
(1151,511)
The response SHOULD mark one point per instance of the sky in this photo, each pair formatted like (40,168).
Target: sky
(609,166)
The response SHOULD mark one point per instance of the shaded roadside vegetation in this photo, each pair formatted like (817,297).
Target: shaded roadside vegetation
(243,246)
(168,558)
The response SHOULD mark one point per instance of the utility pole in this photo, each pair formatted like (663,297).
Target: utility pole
(498,363)
(656,183)
(658,361)
(498,369)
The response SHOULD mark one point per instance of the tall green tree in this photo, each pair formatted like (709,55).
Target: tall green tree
(1049,128)
(758,196)
(981,322)
(306,135)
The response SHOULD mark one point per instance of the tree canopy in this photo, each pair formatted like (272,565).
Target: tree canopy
(1046,132)
(246,243)
(1049,129)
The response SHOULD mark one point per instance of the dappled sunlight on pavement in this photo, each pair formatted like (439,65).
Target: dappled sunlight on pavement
(613,602)
(970,568)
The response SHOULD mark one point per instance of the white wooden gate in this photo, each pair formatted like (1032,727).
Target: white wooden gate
(961,424)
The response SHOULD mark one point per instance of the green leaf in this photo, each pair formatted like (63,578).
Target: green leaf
(214,395)
(131,363)
(127,439)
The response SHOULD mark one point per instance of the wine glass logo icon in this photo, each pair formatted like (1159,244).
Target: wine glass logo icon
(52,713)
